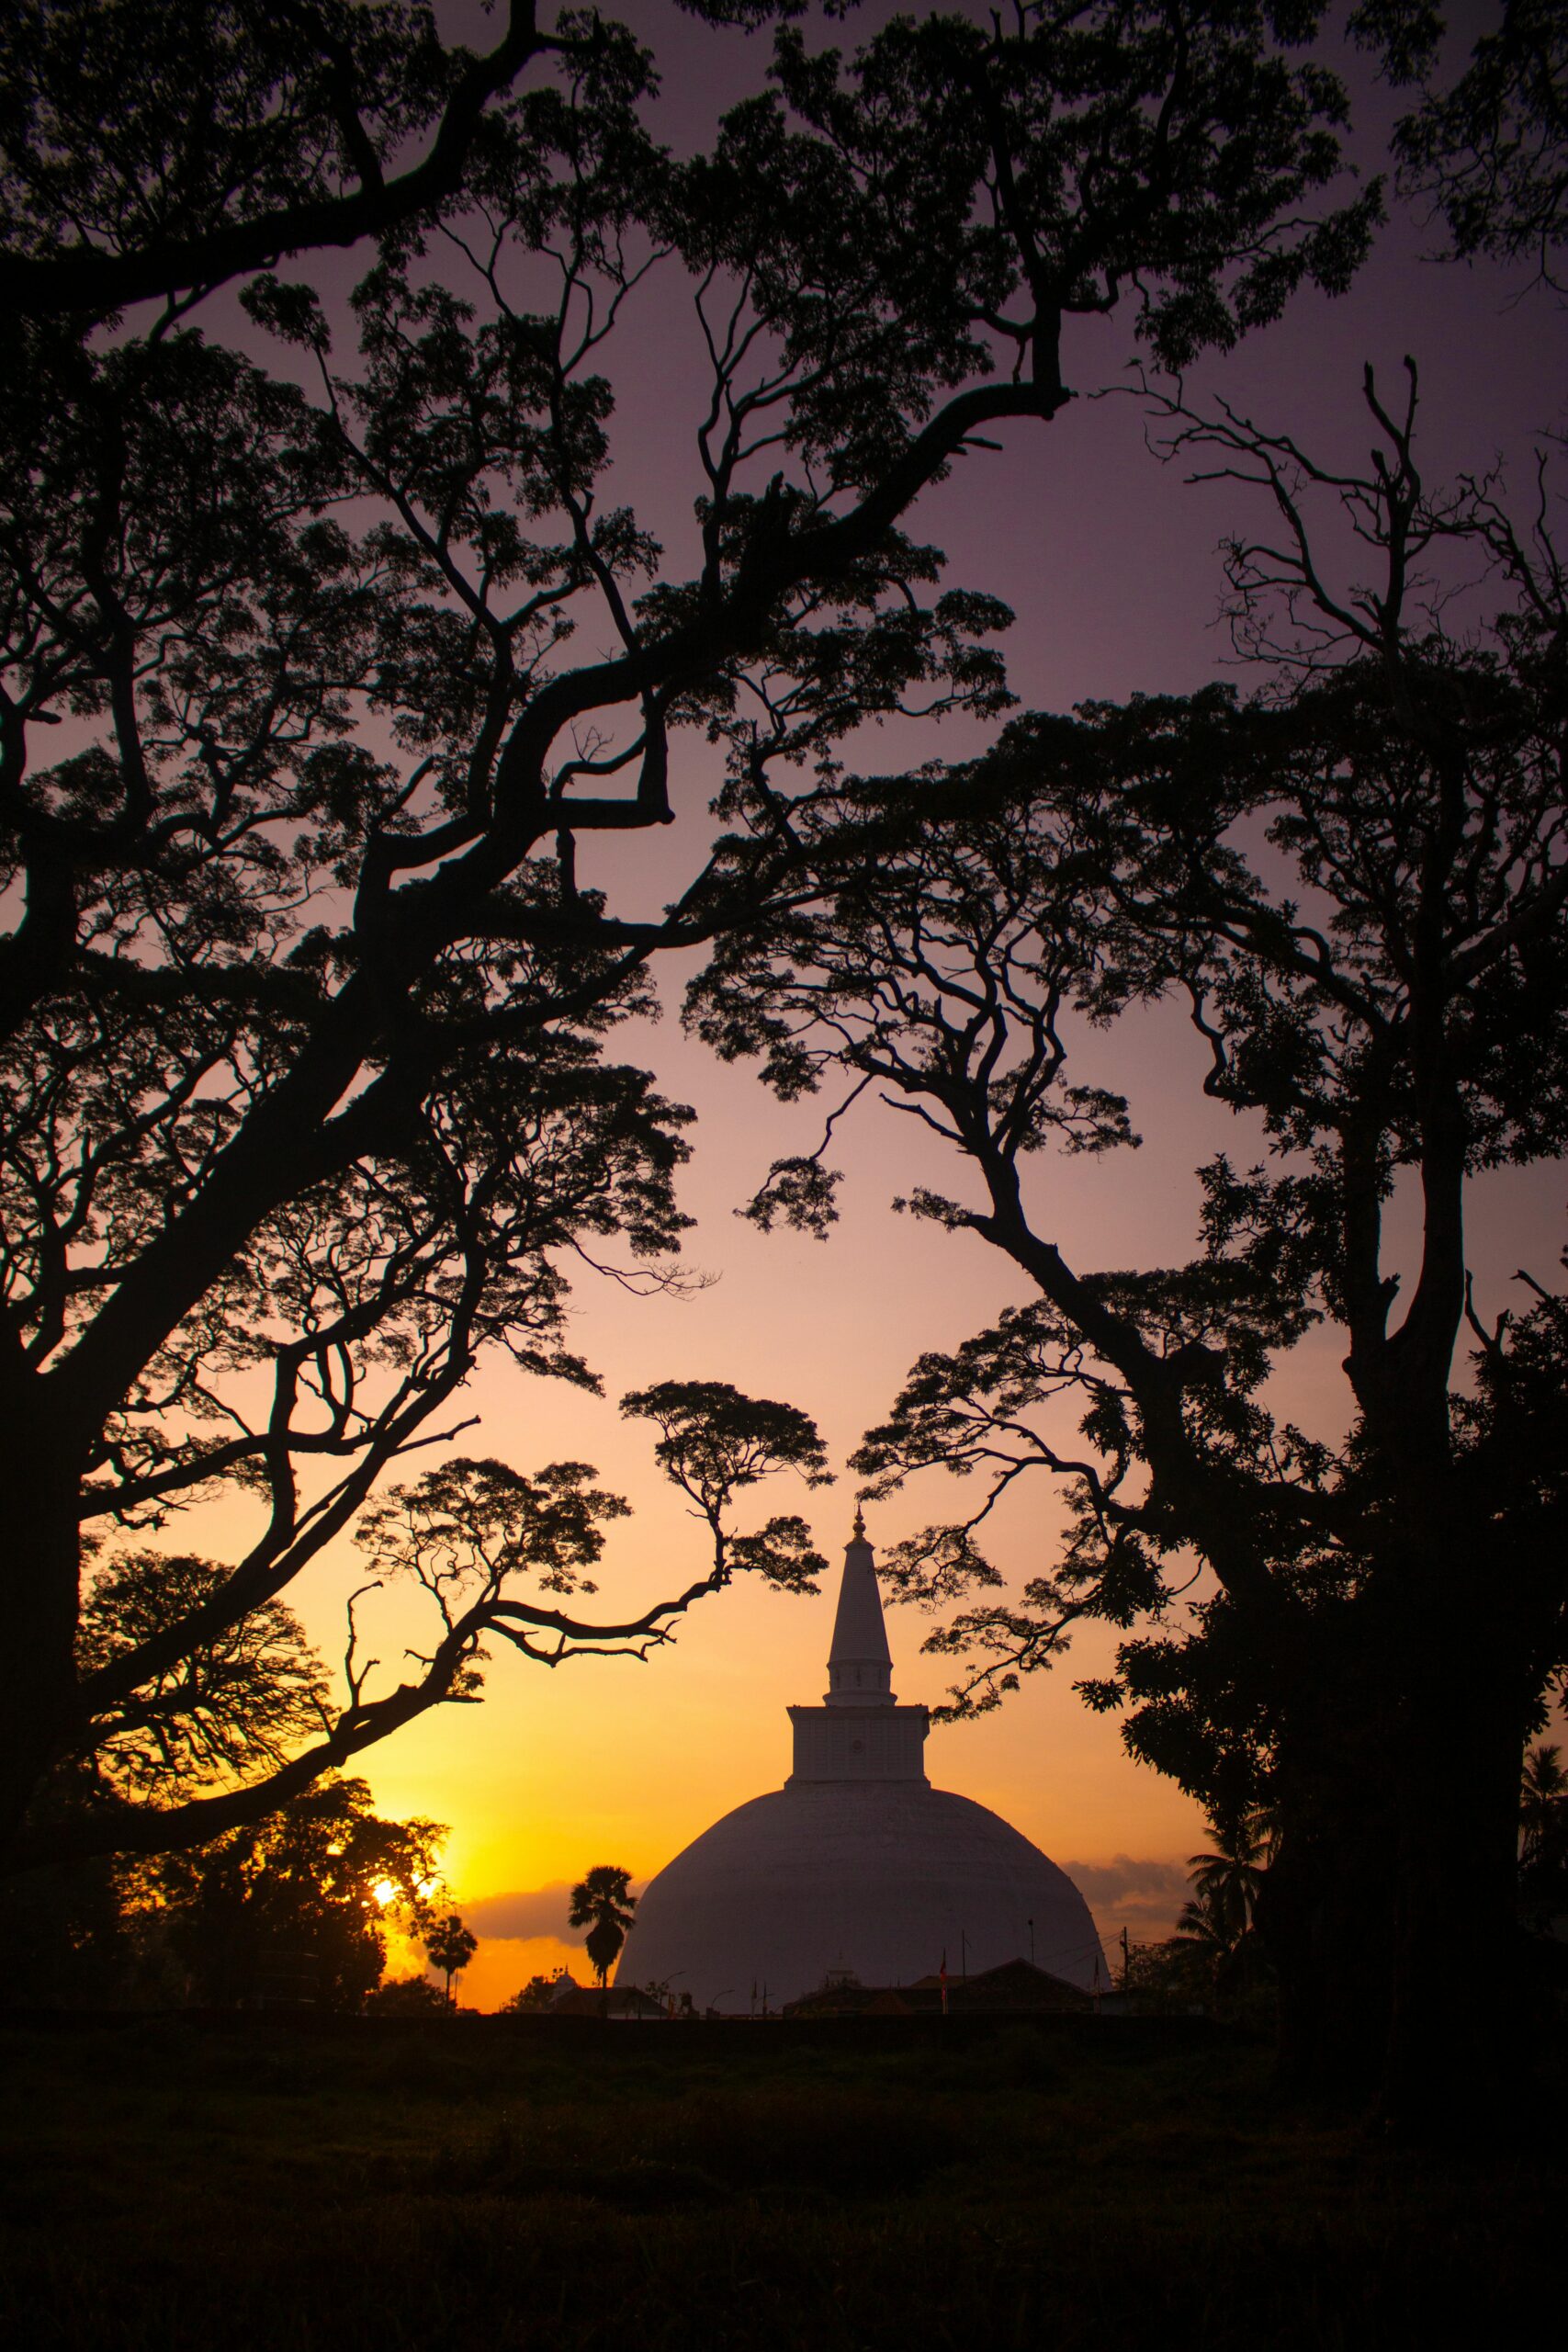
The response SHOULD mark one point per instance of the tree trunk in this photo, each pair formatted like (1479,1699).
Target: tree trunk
(1457,2029)
(1390,1913)
(1325,1909)
(38,1671)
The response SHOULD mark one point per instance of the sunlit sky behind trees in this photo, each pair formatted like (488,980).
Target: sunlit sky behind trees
(1109,560)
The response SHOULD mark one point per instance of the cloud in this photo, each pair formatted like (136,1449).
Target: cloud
(1144,1897)
(538,1911)
(521,1917)
(1122,1880)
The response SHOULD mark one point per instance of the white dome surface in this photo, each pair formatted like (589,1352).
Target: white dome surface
(883,1877)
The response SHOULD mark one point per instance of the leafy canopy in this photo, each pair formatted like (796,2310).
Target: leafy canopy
(1354,883)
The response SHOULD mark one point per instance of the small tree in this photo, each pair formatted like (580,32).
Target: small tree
(603,1903)
(1544,1837)
(1229,1878)
(1206,1930)
(406,1996)
(540,1993)
(449,1946)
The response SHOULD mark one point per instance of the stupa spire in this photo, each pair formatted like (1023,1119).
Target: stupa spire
(860,1733)
(860,1664)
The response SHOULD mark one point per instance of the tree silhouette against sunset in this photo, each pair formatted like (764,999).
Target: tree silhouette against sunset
(449,1946)
(602,1902)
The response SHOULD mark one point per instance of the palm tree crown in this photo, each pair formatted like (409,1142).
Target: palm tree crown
(1543,1804)
(1226,1879)
(602,1902)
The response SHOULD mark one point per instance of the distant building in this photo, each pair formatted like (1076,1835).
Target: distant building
(626,2001)
(562,1996)
(857,1864)
(1015,1989)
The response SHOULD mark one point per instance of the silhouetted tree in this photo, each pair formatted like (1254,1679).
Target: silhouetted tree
(406,1996)
(283,124)
(449,1946)
(1228,1881)
(1489,151)
(1355,884)
(603,1903)
(540,1994)
(1543,1807)
(1228,1878)
(1206,1932)
(295,1907)
(1544,1837)
(305,1014)
(234,1703)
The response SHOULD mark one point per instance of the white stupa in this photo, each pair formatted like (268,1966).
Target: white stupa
(857,1863)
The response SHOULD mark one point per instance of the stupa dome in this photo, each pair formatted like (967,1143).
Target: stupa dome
(857,1863)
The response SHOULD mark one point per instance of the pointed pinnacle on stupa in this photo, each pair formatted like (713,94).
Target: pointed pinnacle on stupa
(858,1535)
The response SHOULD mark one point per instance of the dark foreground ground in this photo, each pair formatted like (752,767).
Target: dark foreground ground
(474,2183)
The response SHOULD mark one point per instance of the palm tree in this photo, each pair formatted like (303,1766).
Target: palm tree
(1543,1805)
(602,1902)
(1203,1941)
(1543,1839)
(1218,1924)
(450,1946)
(1226,1879)
(1205,1926)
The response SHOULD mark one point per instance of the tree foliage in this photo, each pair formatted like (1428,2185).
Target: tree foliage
(1544,1837)
(245,1713)
(326,644)
(1355,884)
(406,1996)
(602,1902)
(152,156)
(294,1908)
(1488,151)
(93,1930)
(232,1706)
(1229,1875)
(449,1946)
(713,1441)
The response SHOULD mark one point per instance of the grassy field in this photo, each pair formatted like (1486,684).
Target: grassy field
(171,2185)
